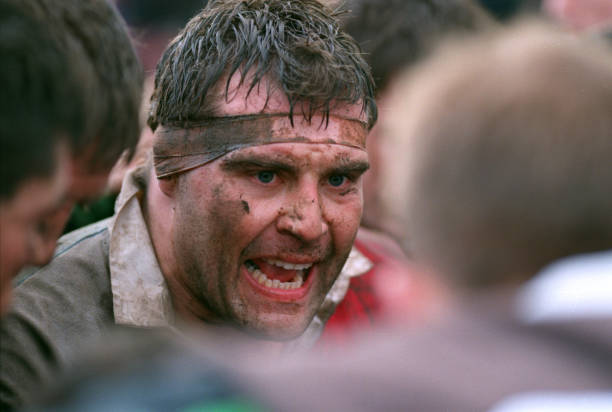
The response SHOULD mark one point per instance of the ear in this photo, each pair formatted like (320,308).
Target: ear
(168,185)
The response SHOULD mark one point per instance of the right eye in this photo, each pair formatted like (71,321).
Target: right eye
(265,176)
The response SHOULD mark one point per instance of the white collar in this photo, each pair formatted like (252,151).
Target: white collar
(140,294)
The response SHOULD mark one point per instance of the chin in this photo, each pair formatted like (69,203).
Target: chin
(279,328)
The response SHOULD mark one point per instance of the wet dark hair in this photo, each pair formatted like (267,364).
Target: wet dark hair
(40,102)
(113,97)
(397,33)
(298,44)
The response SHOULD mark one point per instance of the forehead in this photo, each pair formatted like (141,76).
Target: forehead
(267,97)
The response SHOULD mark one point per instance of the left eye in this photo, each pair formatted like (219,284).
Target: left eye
(337,180)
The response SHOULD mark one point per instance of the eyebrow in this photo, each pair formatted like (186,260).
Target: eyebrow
(243,162)
(351,167)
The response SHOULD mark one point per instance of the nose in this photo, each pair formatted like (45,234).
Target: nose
(303,215)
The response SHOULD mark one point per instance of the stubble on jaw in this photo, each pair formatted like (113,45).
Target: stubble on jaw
(198,240)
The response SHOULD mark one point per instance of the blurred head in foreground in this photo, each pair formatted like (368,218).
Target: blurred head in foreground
(502,153)
(110,91)
(113,126)
(72,86)
(40,111)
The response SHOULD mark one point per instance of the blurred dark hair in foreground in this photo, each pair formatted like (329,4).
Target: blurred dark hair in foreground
(40,102)
(394,34)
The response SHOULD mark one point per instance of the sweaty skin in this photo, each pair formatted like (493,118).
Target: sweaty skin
(264,267)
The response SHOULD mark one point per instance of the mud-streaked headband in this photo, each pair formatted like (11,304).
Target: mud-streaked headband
(177,149)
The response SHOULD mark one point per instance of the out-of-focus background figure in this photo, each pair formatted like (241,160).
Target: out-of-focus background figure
(500,166)
(580,15)
(154,23)
(77,79)
(513,162)
(394,35)
(106,123)
(40,111)
(112,123)
(575,287)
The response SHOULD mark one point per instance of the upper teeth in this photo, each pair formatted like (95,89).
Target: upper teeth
(287,265)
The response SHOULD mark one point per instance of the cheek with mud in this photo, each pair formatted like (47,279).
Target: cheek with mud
(206,242)
(245,206)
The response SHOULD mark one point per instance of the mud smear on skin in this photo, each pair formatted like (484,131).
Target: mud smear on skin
(228,215)
(245,206)
(343,159)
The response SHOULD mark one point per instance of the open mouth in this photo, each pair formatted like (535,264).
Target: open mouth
(277,274)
